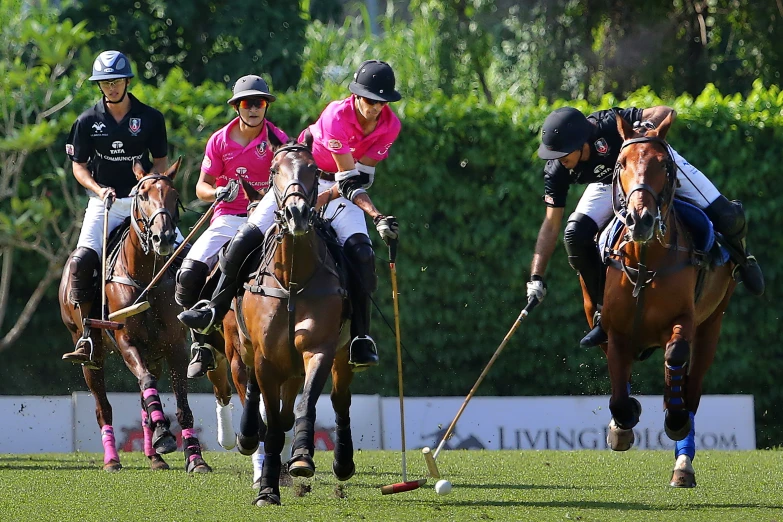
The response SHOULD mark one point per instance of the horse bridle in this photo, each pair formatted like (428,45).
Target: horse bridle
(662,199)
(137,215)
(311,196)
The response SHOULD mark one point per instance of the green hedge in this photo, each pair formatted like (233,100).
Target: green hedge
(466,185)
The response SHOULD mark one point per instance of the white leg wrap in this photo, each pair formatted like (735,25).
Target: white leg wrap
(226,435)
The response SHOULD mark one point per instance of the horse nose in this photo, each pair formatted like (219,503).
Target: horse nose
(647,219)
(297,215)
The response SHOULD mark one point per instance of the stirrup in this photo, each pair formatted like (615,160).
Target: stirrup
(205,304)
(361,366)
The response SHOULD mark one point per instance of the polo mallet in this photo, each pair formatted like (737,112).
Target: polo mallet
(140,306)
(405,485)
(429,456)
(102,322)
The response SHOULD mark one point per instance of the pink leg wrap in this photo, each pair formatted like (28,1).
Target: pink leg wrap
(109,448)
(148,449)
(157,413)
(189,433)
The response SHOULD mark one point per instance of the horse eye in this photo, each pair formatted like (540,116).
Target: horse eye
(144,196)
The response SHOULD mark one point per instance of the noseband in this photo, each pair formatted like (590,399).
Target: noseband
(662,200)
(137,215)
(281,196)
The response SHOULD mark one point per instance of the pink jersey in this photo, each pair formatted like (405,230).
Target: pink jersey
(226,159)
(337,131)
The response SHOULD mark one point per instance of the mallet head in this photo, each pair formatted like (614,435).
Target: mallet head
(432,466)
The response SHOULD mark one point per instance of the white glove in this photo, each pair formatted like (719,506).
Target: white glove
(536,289)
(227,193)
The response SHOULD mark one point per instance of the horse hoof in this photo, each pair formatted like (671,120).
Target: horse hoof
(682,478)
(246,445)
(341,472)
(674,433)
(267,498)
(157,463)
(165,444)
(112,466)
(301,466)
(619,439)
(198,465)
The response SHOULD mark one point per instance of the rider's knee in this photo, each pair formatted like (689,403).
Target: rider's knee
(728,217)
(248,238)
(190,279)
(84,261)
(358,249)
(579,238)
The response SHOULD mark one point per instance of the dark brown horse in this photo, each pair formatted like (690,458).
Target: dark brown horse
(661,291)
(294,313)
(148,339)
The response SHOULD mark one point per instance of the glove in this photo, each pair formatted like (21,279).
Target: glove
(227,193)
(536,288)
(387,227)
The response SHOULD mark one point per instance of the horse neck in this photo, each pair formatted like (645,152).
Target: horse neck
(138,265)
(301,253)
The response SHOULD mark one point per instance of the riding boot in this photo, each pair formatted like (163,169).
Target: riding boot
(207,316)
(728,217)
(597,336)
(362,352)
(83,265)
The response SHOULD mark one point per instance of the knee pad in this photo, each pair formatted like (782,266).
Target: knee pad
(358,249)
(190,280)
(579,239)
(83,263)
(728,217)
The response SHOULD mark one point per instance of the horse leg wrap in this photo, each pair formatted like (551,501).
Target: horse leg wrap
(270,473)
(625,412)
(109,445)
(149,451)
(303,438)
(153,406)
(192,449)
(343,465)
(249,424)
(687,446)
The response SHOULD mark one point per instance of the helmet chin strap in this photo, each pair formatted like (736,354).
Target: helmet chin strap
(263,120)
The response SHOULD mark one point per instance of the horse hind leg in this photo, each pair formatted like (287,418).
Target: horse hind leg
(343,465)
(194,460)
(269,485)
(683,474)
(163,441)
(620,436)
(156,461)
(677,423)
(250,423)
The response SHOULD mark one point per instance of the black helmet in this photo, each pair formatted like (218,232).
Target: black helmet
(375,80)
(110,65)
(565,130)
(251,85)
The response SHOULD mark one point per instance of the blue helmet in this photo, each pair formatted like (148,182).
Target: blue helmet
(110,65)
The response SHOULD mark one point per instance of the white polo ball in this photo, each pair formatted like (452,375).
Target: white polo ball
(443,487)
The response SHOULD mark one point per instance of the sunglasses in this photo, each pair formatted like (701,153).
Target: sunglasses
(249,103)
(109,84)
(368,101)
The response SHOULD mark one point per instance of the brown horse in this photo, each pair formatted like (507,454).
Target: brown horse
(148,339)
(294,315)
(661,291)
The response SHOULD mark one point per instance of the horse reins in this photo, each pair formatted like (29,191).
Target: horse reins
(137,215)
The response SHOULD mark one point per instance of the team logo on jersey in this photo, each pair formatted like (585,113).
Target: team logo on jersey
(549,200)
(206,163)
(69,149)
(98,126)
(241,171)
(116,148)
(334,144)
(261,149)
(601,170)
(135,125)
(601,147)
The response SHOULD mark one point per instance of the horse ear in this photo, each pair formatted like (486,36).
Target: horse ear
(663,128)
(308,139)
(173,169)
(138,170)
(624,128)
(274,141)
(251,193)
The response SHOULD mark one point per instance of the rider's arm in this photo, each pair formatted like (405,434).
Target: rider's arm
(160,165)
(205,187)
(345,162)
(85,179)
(547,240)
(657,114)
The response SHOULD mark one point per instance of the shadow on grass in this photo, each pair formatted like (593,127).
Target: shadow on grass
(622,506)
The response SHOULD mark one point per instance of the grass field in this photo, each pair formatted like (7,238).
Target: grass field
(488,485)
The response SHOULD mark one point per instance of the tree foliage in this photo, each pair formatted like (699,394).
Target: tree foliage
(219,40)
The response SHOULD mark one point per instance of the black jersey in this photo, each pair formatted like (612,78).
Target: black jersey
(605,142)
(109,148)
